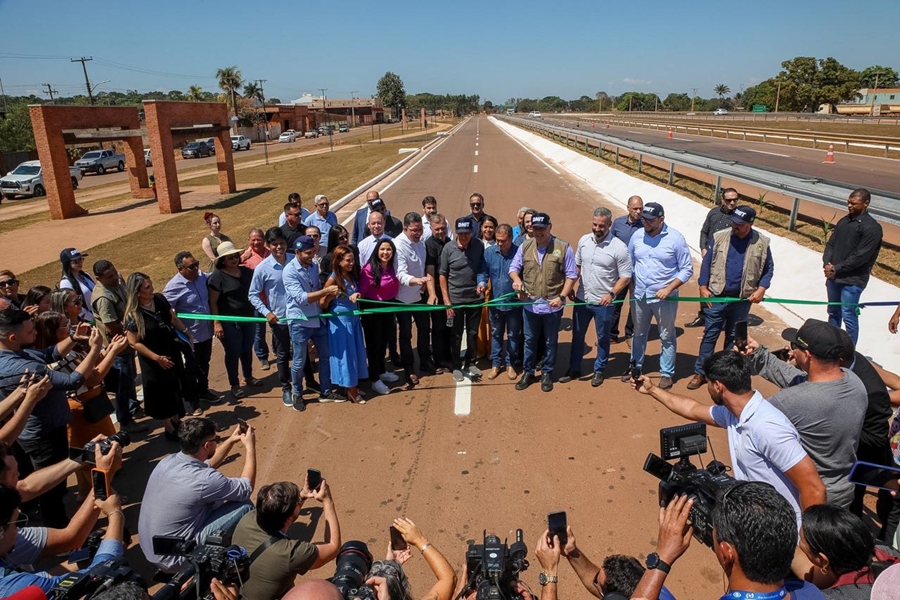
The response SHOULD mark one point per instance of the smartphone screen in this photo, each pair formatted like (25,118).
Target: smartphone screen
(740,335)
(556,523)
(872,475)
(313,479)
(397,541)
(101,484)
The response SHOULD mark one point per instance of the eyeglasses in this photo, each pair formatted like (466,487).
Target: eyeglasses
(22,521)
(8,282)
(476,204)
(192,267)
(322,204)
(729,199)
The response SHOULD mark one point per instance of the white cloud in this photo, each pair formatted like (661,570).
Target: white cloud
(632,81)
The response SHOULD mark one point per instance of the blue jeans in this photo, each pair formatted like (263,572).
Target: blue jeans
(300,336)
(126,395)
(719,316)
(535,326)
(603,317)
(260,347)
(225,519)
(238,343)
(838,292)
(507,322)
(664,312)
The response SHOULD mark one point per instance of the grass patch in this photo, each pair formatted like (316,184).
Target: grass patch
(152,249)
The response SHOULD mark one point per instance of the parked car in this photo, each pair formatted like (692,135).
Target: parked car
(28,180)
(148,159)
(211,144)
(719,112)
(535,114)
(287,136)
(239,142)
(312,133)
(195,150)
(343,128)
(100,161)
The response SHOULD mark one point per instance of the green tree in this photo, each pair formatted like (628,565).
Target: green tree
(195,93)
(230,79)
(602,99)
(677,102)
(488,106)
(884,77)
(722,90)
(808,82)
(391,91)
(637,101)
(252,91)
(15,130)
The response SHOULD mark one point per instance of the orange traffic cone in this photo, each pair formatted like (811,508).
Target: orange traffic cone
(592,125)
(829,156)
(607,124)
(669,133)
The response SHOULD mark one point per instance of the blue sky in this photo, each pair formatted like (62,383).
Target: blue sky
(495,49)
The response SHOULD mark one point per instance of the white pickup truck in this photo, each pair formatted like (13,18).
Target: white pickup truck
(100,161)
(239,142)
(28,180)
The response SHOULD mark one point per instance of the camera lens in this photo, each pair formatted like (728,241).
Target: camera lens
(353,563)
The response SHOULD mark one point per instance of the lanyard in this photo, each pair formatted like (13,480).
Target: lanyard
(742,595)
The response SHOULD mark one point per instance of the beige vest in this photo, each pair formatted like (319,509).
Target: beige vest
(547,279)
(754,262)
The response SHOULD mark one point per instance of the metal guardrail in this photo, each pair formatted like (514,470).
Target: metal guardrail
(884,205)
(752,116)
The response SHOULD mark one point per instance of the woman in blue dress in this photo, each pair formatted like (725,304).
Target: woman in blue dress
(345,336)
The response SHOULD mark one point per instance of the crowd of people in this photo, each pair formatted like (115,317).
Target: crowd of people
(329,307)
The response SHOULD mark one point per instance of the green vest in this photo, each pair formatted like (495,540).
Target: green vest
(547,279)
(754,262)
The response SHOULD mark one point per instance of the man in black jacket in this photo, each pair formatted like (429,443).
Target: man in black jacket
(849,256)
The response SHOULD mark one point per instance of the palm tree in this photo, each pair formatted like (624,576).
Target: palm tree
(195,93)
(230,79)
(253,91)
(721,90)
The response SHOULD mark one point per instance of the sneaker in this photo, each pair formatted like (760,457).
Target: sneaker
(696,382)
(264,364)
(494,373)
(331,396)
(134,427)
(211,397)
(474,372)
(597,380)
(287,398)
(527,379)
(546,383)
(511,373)
(254,382)
(197,412)
(298,404)
(389,377)
(569,376)
(665,383)
(379,388)
(457,375)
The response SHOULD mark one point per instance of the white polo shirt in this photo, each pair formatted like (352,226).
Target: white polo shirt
(601,265)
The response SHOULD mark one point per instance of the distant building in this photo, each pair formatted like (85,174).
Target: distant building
(877,96)
(364,110)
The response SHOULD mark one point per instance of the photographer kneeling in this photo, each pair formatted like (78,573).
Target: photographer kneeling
(276,558)
(388,578)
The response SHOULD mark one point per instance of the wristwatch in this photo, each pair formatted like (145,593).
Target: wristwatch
(544,579)
(655,562)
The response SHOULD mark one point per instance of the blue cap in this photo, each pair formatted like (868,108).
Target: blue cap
(743,215)
(304,242)
(652,210)
(540,220)
(464,225)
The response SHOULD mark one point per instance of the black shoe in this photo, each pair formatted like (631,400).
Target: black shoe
(332,396)
(569,376)
(546,383)
(698,321)
(429,368)
(287,398)
(527,379)
(298,404)
(597,380)
(211,398)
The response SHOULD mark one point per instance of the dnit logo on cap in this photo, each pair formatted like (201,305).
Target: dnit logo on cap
(540,220)
(464,225)
(652,210)
(743,215)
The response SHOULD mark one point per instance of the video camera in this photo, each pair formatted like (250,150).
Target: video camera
(229,564)
(94,581)
(353,563)
(86,454)
(85,554)
(494,567)
(683,478)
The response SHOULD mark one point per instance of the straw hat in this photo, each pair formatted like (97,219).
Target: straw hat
(226,249)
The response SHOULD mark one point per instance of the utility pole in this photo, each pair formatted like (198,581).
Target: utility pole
(262,93)
(50,91)
(353,107)
(87,82)
(3,95)
(325,110)
(778,96)
(692,98)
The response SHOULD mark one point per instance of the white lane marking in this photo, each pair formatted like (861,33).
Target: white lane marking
(638,132)
(528,150)
(462,399)
(476,143)
(769,153)
(476,153)
(475,169)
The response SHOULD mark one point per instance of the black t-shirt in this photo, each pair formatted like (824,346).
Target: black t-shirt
(433,248)
(875,425)
(234,292)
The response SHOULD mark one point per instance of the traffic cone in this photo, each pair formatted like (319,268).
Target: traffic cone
(607,124)
(829,156)
(592,125)
(669,133)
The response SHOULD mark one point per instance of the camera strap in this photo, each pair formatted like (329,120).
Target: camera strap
(265,546)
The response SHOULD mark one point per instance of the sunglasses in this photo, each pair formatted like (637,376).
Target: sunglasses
(192,267)
(476,204)
(8,282)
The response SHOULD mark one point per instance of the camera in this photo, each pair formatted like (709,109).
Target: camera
(87,453)
(94,581)
(494,567)
(353,563)
(85,554)
(702,485)
(229,564)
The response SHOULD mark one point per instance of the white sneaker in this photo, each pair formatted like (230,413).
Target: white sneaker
(473,371)
(389,377)
(379,388)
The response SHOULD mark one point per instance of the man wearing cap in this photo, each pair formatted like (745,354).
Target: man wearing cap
(477,216)
(623,228)
(367,245)
(460,264)
(661,264)
(323,218)
(736,264)
(545,272)
(361,218)
(849,256)
(303,291)
(826,403)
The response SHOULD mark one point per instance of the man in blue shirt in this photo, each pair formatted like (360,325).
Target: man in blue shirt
(504,319)
(737,264)
(661,264)
(623,228)
(323,218)
(303,290)
(268,297)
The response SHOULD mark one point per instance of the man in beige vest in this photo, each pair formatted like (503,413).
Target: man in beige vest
(737,264)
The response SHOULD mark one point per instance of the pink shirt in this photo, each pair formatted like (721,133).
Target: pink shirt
(388,289)
(254,258)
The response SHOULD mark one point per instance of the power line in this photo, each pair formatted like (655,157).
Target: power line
(50,91)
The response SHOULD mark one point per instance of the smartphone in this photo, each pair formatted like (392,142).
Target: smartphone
(556,523)
(100,480)
(872,475)
(243,425)
(740,335)
(313,479)
(636,373)
(397,541)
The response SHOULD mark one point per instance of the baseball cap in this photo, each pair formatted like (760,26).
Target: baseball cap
(464,225)
(304,242)
(652,210)
(70,254)
(540,220)
(816,337)
(378,205)
(743,215)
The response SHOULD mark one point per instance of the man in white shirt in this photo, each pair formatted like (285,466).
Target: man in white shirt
(367,245)
(429,207)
